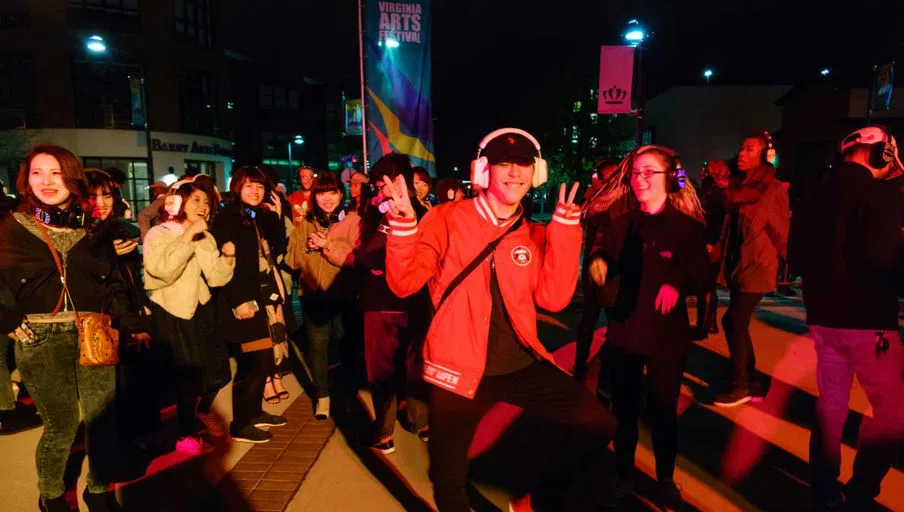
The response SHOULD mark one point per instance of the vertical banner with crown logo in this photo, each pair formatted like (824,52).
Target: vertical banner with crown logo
(616,79)
(397,100)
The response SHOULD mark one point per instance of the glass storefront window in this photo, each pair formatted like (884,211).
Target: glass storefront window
(135,189)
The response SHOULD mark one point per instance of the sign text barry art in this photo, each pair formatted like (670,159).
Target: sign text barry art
(400,21)
(194,147)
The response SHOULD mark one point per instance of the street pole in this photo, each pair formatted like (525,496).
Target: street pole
(289,145)
(147,130)
(363,87)
(641,96)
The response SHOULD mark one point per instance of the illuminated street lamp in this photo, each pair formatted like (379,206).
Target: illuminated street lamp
(634,34)
(707,74)
(825,71)
(95,44)
(297,140)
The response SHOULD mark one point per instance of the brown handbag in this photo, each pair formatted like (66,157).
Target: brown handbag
(98,341)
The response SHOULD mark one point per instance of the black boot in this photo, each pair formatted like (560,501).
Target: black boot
(103,502)
(55,505)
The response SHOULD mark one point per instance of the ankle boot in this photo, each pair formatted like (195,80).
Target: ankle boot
(103,502)
(55,505)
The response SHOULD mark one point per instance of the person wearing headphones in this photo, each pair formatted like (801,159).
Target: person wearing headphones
(758,217)
(846,243)
(657,252)
(486,277)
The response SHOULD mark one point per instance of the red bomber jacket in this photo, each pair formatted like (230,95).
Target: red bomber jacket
(448,238)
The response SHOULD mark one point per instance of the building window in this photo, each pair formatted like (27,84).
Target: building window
(103,94)
(13,20)
(577,106)
(294,103)
(594,142)
(198,102)
(120,7)
(594,118)
(135,189)
(207,167)
(193,22)
(265,96)
(575,134)
(594,94)
(17,92)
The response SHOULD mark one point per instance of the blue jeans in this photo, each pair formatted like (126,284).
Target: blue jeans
(67,393)
(841,354)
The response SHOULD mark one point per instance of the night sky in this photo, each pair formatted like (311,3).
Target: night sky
(510,62)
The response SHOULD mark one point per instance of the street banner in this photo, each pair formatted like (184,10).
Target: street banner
(398,100)
(884,86)
(616,79)
(136,86)
(353,113)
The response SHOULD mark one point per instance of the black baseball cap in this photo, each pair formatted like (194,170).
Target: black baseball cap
(510,147)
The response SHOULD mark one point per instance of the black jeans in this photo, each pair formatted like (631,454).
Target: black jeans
(322,324)
(736,324)
(252,370)
(542,391)
(708,305)
(392,370)
(587,326)
(664,374)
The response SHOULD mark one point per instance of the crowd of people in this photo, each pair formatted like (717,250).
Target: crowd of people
(435,306)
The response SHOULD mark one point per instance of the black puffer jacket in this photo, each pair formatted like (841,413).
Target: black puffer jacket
(28,271)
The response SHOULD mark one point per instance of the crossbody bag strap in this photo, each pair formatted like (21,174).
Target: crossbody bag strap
(59,264)
(476,262)
(264,247)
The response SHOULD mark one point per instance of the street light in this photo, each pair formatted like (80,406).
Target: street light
(707,74)
(297,140)
(825,72)
(635,35)
(95,44)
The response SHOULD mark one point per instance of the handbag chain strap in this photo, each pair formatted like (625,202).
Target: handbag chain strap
(56,258)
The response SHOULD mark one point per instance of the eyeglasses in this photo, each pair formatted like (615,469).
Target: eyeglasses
(646,174)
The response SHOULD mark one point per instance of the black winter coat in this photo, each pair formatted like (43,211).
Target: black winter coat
(645,252)
(29,273)
(234,225)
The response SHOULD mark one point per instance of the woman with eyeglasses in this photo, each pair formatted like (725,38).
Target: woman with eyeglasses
(49,227)
(656,252)
(250,308)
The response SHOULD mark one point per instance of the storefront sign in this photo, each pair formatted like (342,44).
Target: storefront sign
(194,147)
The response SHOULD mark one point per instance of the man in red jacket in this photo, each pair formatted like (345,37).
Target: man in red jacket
(482,346)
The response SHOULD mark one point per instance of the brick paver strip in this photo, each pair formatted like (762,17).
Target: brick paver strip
(270,474)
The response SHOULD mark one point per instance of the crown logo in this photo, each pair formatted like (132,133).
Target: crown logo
(614,95)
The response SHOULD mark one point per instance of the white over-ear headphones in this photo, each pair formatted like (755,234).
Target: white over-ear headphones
(173,201)
(480,167)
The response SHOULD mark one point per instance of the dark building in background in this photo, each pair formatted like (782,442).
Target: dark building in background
(206,106)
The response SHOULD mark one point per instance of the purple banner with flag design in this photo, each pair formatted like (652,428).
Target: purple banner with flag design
(397,99)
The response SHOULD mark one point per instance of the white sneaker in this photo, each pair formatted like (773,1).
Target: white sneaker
(190,445)
(212,424)
(322,411)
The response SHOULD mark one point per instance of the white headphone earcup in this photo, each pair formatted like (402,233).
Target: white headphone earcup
(480,175)
(541,172)
(172,203)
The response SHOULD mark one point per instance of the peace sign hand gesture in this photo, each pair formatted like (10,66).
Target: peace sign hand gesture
(400,203)
(569,205)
